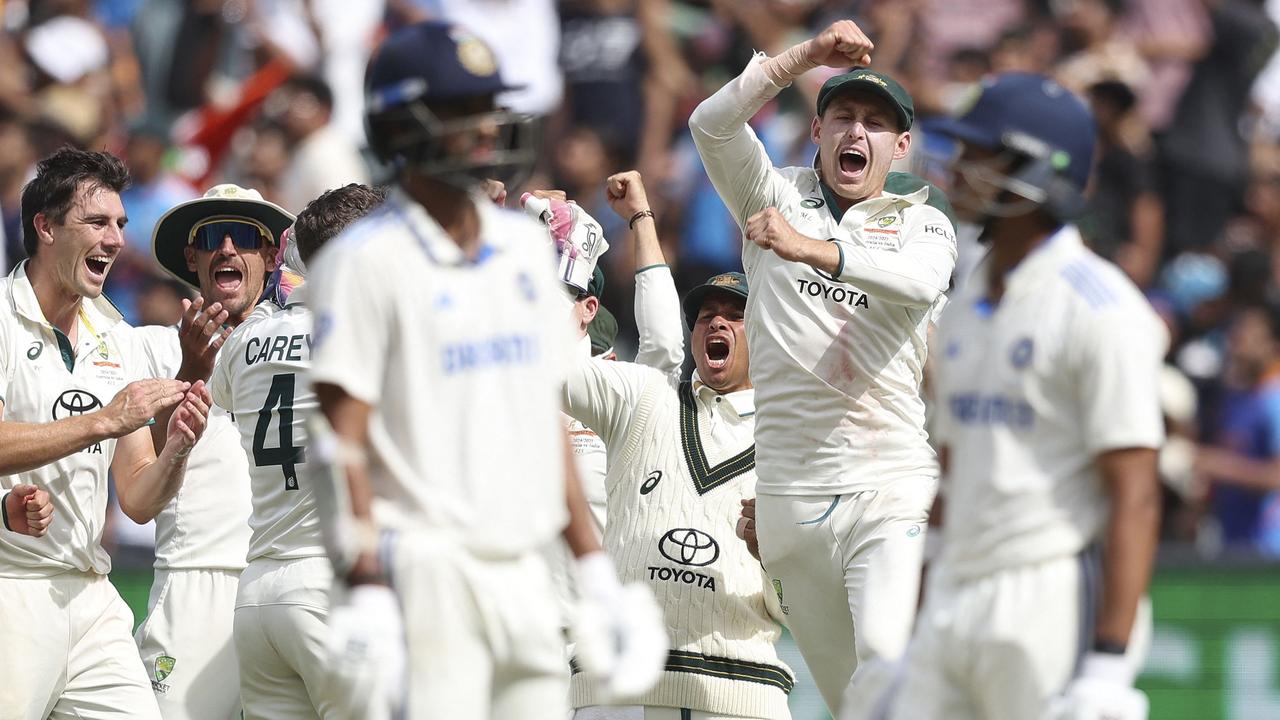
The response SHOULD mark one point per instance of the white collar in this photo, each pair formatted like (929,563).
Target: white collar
(743,402)
(100,311)
(437,243)
(1044,259)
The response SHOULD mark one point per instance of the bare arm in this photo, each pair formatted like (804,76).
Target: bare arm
(25,446)
(349,419)
(1141,256)
(145,482)
(1129,479)
(1233,468)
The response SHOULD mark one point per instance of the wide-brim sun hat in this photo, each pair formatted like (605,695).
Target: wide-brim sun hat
(172,233)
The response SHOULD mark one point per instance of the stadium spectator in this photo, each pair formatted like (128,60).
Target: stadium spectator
(1125,223)
(1242,458)
(321,156)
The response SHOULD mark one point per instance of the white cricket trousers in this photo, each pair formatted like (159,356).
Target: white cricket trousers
(483,636)
(281,617)
(637,712)
(847,568)
(1000,646)
(66,652)
(186,644)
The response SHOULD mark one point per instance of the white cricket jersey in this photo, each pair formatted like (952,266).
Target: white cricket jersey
(205,526)
(681,460)
(462,363)
(836,361)
(1030,392)
(261,379)
(44,379)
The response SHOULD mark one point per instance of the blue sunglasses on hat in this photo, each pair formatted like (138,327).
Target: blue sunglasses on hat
(245,234)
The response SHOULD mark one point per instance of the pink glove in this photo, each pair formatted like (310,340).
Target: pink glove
(578,238)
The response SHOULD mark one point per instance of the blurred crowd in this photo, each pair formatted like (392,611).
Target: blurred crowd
(268,94)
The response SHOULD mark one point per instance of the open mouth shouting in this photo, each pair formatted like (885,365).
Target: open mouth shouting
(227,277)
(97,265)
(717,351)
(853,164)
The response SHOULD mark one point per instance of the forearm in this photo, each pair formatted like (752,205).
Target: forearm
(1232,468)
(1132,533)
(26,446)
(903,278)
(580,533)
(785,67)
(146,493)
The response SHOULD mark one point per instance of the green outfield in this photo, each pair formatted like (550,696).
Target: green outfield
(1215,654)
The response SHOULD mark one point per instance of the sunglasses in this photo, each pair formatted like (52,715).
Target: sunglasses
(245,234)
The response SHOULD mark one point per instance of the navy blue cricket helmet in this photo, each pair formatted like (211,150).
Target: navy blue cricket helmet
(425,88)
(1047,127)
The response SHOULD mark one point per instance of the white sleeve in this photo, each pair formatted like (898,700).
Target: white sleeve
(1118,370)
(161,350)
(659,321)
(603,395)
(6,358)
(734,158)
(354,307)
(917,273)
(220,378)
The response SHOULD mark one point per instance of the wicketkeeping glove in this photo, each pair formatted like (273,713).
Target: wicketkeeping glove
(1103,691)
(620,635)
(578,238)
(367,651)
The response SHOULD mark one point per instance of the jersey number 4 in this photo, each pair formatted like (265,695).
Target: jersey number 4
(285,454)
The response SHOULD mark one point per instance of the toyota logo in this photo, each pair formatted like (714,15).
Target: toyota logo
(75,402)
(689,547)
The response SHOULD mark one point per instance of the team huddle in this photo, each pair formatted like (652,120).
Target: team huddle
(396,469)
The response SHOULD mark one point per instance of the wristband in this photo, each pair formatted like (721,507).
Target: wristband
(4,510)
(641,214)
(1109,647)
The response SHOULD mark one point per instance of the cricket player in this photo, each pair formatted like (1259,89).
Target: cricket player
(1049,420)
(261,379)
(847,264)
(73,407)
(682,459)
(223,245)
(439,346)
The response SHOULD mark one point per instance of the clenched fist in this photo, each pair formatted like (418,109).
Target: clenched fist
(769,230)
(27,510)
(841,45)
(626,194)
(140,401)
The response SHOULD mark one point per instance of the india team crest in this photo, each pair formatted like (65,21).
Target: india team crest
(164,666)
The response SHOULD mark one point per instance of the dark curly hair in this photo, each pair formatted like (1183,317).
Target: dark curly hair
(329,214)
(53,190)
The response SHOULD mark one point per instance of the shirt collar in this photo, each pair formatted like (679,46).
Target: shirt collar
(437,243)
(743,402)
(100,311)
(583,347)
(873,206)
